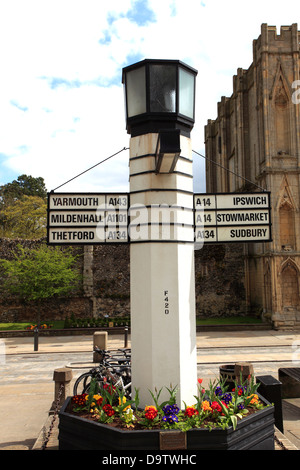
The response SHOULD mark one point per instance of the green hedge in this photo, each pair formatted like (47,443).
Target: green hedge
(72,322)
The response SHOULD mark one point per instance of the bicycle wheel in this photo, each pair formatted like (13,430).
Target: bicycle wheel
(82,383)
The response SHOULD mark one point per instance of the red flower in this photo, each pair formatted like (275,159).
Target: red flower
(216,406)
(239,392)
(200,381)
(190,411)
(150,412)
(79,400)
(109,387)
(99,401)
(108,409)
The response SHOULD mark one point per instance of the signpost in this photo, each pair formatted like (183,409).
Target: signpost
(100,218)
(87,218)
(233,217)
(160,114)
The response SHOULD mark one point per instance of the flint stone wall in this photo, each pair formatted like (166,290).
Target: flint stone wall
(105,289)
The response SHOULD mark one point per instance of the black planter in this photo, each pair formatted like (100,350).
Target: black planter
(254,432)
(227,375)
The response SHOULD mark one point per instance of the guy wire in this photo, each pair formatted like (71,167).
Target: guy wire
(102,161)
(229,171)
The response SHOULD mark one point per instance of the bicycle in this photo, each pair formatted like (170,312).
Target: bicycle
(113,368)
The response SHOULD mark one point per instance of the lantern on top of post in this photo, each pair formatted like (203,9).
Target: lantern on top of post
(160,114)
(160,98)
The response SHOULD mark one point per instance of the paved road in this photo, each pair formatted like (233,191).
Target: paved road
(38,368)
(26,377)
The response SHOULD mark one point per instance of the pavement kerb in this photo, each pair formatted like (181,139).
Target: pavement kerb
(205,340)
(282,442)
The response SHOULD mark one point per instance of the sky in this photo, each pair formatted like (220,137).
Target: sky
(61,93)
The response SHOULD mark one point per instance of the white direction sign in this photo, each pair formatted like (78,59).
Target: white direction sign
(234,217)
(100,218)
(87,218)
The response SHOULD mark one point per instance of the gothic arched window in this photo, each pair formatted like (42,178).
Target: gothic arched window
(290,286)
(287,227)
(282,120)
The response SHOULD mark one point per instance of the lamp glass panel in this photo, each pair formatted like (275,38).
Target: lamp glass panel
(136,91)
(162,88)
(186,93)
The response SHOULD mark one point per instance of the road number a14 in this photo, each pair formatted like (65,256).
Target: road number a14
(204,202)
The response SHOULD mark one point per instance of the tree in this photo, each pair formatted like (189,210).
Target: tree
(40,274)
(24,218)
(24,186)
(23,208)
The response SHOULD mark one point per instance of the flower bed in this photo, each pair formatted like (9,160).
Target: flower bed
(218,419)
(43,326)
(106,322)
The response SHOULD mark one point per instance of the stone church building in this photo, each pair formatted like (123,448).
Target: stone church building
(254,143)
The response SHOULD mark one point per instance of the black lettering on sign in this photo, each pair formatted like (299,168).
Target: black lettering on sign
(205,234)
(116,218)
(203,201)
(75,201)
(248,233)
(250,200)
(243,217)
(116,235)
(166,302)
(117,201)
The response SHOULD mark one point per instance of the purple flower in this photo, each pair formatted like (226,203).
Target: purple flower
(173,418)
(170,410)
(227,398)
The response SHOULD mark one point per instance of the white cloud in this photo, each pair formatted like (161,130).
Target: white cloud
(61,98)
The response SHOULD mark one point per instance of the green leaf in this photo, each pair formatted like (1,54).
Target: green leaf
(224,408)
(234,421)
(92,391)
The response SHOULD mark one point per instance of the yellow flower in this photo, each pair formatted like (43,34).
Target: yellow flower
(206,406)
(95,398)
(124,401)
(150,408)
(254,400)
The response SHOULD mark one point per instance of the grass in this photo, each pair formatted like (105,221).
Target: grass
(23,326)
(58,325)
(238,320)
